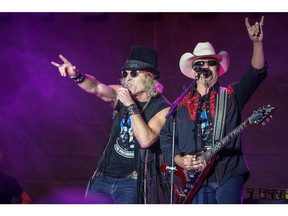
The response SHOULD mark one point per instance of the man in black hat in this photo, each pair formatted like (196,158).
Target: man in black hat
(132,150)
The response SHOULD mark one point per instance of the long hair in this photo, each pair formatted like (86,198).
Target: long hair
(152,86)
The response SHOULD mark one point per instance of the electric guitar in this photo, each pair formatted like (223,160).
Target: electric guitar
(192,180)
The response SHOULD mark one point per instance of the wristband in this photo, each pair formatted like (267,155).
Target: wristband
(132,110)
(79,78)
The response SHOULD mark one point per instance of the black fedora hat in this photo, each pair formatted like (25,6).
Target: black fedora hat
(142,58)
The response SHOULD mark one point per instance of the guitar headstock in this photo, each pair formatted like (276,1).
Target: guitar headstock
(262,113)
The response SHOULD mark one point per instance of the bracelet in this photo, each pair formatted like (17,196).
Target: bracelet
(132,109)
(79,78)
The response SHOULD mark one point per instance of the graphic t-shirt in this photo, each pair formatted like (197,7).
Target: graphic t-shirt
(125,142)
(121,161)
(206,135)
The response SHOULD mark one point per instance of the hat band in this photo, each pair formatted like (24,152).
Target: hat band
(135,64)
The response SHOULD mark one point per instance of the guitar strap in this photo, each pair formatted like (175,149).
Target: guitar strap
(220,115)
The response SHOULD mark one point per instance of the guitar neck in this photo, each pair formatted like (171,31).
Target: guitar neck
(228,138)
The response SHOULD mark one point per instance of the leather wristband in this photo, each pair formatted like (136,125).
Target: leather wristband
(132,109)
(79,78)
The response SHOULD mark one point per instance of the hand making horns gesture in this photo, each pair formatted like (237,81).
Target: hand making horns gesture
(66,69)
(255,31)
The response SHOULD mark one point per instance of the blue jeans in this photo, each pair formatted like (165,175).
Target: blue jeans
(229,193)
(107,190)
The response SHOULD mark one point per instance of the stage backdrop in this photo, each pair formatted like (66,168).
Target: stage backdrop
(52,132)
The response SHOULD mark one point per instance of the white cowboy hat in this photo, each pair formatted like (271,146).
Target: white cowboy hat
(203,50)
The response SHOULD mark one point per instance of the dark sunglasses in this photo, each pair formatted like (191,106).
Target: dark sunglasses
(202,63)
(133,73)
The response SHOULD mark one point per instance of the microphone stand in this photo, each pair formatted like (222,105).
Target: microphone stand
(172,109)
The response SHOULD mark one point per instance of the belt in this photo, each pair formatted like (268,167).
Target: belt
(132,175)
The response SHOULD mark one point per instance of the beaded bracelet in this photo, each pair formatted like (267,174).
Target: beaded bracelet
(132,110)
(79,78)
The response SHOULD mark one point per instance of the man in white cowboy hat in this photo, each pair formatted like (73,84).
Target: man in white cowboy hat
(206,114)
(133,147)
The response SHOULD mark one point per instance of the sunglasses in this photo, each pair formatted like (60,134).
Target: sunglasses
(133,73)
(202,63)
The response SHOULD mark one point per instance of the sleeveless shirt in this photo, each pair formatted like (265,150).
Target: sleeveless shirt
(124,146)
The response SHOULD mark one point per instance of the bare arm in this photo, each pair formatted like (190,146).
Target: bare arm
(256,35)
(147,134)
(90,84)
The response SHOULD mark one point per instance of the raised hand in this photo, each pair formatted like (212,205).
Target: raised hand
(255,31)
(66,68)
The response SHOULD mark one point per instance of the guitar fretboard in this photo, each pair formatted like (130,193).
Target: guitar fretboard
(228,138)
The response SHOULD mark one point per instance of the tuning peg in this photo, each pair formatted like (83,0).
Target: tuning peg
(267,120)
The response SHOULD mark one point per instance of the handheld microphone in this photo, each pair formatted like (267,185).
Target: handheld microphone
(199,70)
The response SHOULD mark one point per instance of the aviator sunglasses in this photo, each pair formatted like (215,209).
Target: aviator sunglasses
(202,63)
(133,73)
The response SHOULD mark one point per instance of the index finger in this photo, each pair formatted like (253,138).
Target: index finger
(64,59)
(262,21)
(247,22)
(55,64)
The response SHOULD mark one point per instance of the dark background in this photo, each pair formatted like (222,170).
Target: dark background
(52,132)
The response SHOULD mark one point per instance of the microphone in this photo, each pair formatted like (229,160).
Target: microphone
(201,70)
(116,110)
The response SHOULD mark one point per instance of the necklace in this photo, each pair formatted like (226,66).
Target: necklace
(146,104)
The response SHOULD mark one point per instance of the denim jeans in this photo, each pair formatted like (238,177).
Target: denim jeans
(107,190)
(229,193)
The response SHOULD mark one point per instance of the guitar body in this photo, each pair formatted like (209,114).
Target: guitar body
(192,181)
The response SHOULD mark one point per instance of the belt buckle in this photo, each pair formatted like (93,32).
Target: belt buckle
(133,175)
